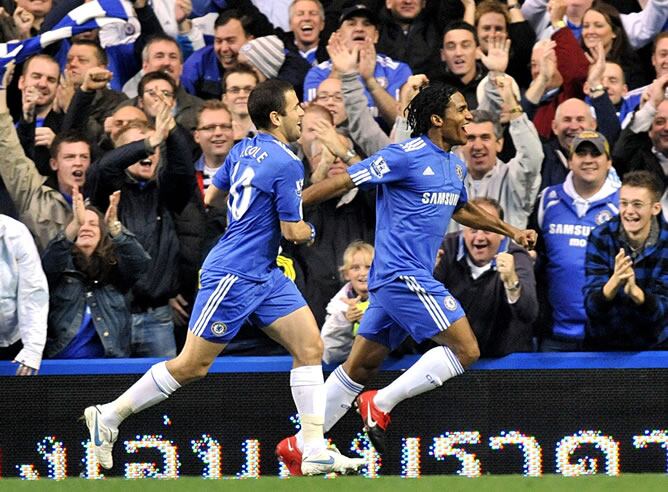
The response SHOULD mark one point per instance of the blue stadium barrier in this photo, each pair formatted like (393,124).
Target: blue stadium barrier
(235,364)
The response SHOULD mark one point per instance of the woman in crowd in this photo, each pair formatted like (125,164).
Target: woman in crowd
(602,24)
(90,266)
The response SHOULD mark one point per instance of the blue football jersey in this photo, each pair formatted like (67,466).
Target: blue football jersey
(419,187)
(264,178)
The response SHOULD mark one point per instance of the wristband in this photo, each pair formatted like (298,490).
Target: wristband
(312,238)
(349,156)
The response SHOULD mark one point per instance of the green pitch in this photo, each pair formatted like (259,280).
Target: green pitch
(644,483)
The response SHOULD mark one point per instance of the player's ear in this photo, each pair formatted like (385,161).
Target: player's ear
(436,120)
(275,118)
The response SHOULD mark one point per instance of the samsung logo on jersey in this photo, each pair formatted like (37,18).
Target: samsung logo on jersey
(570,229)
(440,198)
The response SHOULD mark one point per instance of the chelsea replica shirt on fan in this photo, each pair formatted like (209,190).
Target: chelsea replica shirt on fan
(264,178)
(565,222)
(419,187)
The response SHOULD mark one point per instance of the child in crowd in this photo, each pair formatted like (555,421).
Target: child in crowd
(347,307)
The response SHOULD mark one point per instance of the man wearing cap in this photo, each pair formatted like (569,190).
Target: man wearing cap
(567,213)
(381,75)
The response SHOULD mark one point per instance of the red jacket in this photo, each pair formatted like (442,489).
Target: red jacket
(574,68)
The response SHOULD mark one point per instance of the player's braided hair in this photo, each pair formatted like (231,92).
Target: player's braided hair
(432,99)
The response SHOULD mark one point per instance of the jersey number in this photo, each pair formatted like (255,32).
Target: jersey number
(240,191)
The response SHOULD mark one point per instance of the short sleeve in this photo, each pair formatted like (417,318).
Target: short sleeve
(221,179)
(385,166)
(288,192)
(463,198)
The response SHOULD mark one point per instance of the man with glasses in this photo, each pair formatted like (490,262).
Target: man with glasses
(238,82)
(214,136)
(626,287)
(567,213)
(330,96)
(153,89)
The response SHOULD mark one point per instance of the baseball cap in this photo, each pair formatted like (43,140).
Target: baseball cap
(595,138)
(358,10)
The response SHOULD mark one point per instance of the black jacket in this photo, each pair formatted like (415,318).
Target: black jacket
(633,152)
(146,208)
(419,47)
(336,229)
(501,328)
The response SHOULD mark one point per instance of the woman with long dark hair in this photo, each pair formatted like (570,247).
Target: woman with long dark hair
(90,266)
(602,24)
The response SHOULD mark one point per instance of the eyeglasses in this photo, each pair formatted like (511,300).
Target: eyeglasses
(237,90)
(154,93)
(212,128)
(635,204)
(323,97)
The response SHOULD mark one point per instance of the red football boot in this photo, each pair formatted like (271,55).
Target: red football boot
(375,420)
(288,453)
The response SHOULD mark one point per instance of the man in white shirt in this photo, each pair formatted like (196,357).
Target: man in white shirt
(24,298)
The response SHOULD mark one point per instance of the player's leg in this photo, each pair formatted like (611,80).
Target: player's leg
(458,349)
(165,377)
(298,332)
(376,337)
(426,310)
(155,386)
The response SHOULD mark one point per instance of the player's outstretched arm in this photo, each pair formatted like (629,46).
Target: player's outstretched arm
(471,215)
(327,188)
(215,197)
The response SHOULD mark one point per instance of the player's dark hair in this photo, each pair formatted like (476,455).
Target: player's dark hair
(266,97)
(645,179)
(432,99)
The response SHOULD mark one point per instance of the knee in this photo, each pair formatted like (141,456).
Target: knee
(361,373)
(309,354)
(188,371)
(468,354)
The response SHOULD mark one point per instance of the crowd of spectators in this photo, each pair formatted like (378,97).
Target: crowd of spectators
(110,138)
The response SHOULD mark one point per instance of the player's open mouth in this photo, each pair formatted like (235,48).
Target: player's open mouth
(78,173)
(145,163)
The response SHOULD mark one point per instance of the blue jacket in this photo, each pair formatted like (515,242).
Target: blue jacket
(203,74)
(620,324)
(564,232)
(71,291)
(389,73)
